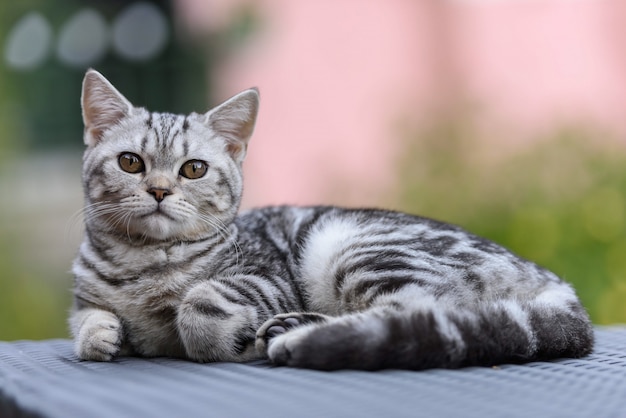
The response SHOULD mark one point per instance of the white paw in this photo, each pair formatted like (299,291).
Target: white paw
(100,337)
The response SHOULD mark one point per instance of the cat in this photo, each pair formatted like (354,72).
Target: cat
(167,267)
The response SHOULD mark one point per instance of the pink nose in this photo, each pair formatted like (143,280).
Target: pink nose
(159,193)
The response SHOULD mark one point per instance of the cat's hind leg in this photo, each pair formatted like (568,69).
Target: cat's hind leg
(312,340)
(433,336)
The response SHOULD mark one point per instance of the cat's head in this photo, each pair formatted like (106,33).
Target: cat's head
(158,176)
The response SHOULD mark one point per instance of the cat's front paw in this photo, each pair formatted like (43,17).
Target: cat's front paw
(281,323)
(100,337)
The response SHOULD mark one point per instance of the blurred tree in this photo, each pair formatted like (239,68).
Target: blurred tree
(134,44)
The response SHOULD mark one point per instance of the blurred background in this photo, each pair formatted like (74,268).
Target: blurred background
(506,117)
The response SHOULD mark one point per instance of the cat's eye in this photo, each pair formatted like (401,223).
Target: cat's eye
(131,163)
(193,169)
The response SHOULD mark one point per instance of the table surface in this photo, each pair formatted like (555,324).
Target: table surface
(44,378)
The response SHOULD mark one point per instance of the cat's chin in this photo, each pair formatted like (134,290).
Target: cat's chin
(161,227)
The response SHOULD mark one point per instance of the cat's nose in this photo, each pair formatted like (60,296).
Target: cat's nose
(159,193)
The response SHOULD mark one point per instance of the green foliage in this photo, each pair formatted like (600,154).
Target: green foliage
(32,306)
(560,202)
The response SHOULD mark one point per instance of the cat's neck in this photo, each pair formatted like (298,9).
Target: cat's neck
(104,238)
(130,256)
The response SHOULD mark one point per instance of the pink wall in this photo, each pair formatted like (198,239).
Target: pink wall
(537,63)
(338,78)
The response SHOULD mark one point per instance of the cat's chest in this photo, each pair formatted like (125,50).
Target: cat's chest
(158,275)
(148,298)
(145,286)
(148,308)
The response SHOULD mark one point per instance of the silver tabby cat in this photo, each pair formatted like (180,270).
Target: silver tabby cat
(168,268)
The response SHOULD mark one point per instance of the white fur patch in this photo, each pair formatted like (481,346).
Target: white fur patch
(556,296)
(324,244)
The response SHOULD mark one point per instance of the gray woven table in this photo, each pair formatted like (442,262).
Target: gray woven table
(45,379)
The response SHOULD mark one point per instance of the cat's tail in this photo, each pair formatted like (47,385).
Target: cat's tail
(502,332)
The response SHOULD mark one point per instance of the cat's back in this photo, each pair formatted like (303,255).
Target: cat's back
(298,227)
(334,251)
(295,228)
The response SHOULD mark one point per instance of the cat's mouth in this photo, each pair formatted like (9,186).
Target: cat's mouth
(158,224)
(158,213)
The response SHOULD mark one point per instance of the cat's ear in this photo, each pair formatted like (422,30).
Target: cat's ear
(103,106)
(234,121)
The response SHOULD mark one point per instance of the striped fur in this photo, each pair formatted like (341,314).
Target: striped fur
(167,267)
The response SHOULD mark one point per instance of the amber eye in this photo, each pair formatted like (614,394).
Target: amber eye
(193,169)
(131,163)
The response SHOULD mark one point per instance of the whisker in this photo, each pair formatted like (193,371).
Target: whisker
(92,210)
(223,232)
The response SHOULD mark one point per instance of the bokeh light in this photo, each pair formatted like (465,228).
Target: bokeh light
(84,39)
(140,32)
(28,43)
